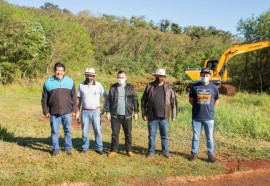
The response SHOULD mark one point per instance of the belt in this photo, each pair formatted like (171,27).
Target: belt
(121,116)
(90,109)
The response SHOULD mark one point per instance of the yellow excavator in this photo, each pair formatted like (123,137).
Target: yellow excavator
(218,68)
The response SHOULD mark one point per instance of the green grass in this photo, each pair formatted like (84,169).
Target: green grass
(241,133)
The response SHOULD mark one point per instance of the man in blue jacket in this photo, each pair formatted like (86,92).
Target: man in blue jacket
(59,103)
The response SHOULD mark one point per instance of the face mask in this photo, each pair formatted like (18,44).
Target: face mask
(205,80)
(89,79)
(121,81)
(159,80)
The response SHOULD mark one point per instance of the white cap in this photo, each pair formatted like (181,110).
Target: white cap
(90,71)
(160,71)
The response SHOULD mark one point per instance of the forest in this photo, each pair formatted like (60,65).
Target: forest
(33,39)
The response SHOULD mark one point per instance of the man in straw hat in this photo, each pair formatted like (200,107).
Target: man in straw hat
(89,93)
(158,103)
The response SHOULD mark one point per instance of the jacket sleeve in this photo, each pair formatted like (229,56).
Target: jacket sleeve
(174,103)
(144,101)
(135,102)
(74,99)
(44,101)
(109,101)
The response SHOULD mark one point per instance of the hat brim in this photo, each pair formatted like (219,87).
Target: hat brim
(158,74)
(90,73)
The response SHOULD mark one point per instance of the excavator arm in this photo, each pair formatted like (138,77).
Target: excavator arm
(218,67)
(233,51)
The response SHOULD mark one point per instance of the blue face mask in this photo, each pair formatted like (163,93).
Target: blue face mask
(205,80)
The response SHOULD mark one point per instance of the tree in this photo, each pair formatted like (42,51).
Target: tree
(164,25)
(138,21)
(50,6)
(176,29)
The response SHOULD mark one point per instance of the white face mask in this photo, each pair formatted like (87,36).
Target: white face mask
(205,80)
(121,81)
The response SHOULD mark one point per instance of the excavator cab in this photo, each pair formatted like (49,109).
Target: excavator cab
(211,64)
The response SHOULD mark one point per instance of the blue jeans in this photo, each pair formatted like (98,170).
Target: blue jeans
(208,129)
(153,125)
(93,117)
(55,122)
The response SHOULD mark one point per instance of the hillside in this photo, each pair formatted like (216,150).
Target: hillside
(33,39)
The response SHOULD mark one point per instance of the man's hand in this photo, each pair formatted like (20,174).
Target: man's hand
(77,115)
(135,117)
(47,115)
(173,119)
(145,118)
(108,116)
(73,114)
(102,111)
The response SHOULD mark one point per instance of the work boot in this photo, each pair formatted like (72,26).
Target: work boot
(130,154)
(55,153)
(100,152)
(193,157)
(83,151)
(211,158)
(167,155)
(69,152)
(111,154)
(149,155)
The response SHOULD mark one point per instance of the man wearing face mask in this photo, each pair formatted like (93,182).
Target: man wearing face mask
(158,103)
(89,93)
(203,97)
(122,101)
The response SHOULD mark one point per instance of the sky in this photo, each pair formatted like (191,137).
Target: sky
(222,14)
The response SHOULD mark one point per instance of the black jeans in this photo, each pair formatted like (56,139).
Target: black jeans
(127,127)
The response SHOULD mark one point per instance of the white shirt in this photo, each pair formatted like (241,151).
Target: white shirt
(90,94)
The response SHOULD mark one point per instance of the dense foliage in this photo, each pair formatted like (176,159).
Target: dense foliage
(33,39)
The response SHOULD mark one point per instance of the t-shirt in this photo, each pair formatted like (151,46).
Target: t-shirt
(159,102)
(204,97)
(90,94)
(121,102)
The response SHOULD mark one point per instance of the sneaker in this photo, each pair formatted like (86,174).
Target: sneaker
(111,154)
(130,154)
(193,157)
(167,155)
(100,152)
(149,155)
(55,153)
(211,158)
(83,151)
(68,152)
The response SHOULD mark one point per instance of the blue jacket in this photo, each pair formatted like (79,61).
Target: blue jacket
(59,97)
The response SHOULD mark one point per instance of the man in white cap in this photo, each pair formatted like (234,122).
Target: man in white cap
(158,103)
(89,93)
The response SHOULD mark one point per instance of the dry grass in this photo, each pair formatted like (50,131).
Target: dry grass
(25,155)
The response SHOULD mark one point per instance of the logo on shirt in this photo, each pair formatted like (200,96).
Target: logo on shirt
(203,96)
